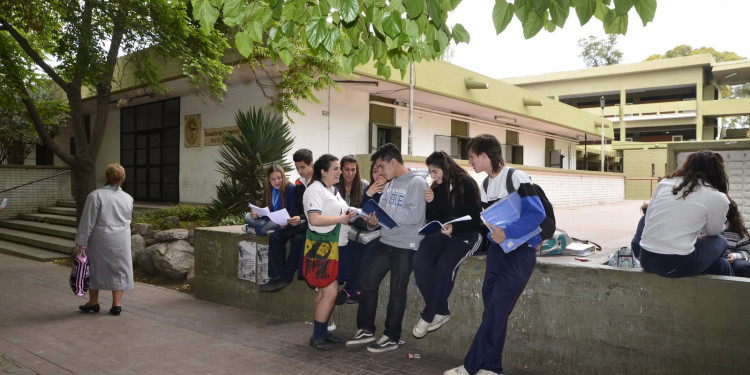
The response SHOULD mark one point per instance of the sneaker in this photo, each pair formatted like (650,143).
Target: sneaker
(341,297)
(333,339)
(383,345)
(421,329)
(461,370)
(244,228)
(274,285)
(437,322)
(321,344)
(362,337)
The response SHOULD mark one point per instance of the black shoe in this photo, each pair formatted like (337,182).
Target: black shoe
(274,285)
(115,310)
(334,339)
(362,337)
(344,297)
(89,308)
(320,344)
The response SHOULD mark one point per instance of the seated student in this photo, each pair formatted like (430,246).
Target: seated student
(361,252)
(635,245)
(279,193)
(684,220)
(453,194)
(281,269)
(738,242)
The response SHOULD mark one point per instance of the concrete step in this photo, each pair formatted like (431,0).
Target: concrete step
(60,245)
(63,231)
(66,204)
(29,252)
(52,219)
(65,211)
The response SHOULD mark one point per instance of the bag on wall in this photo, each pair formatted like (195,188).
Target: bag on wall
(624,257)
(79,275)
(320,262)
(555,245)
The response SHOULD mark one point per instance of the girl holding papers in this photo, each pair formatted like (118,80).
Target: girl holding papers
(279,194)
(453,194)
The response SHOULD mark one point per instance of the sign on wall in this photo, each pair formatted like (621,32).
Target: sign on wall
(214,137)
(193,130)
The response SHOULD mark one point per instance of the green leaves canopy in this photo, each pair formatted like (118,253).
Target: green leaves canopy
(390,33)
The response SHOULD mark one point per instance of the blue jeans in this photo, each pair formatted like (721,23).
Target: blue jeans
(384,259)
(261,225)
(707,258)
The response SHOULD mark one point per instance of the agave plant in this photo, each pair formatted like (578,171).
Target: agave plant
(265,139)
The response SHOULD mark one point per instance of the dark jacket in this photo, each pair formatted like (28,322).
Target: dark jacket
(466,203)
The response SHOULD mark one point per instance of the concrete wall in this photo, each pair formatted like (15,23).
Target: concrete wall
(637,168)
(26,199)
(582,319)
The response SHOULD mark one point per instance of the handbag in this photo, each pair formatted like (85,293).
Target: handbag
(79,274)
(320,262)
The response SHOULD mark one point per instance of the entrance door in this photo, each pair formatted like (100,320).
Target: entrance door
(150,150)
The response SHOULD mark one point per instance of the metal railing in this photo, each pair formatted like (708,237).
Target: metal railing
(35,181)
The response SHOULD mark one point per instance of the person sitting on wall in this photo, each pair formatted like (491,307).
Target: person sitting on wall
(738,242)
(278,194)
(280,269)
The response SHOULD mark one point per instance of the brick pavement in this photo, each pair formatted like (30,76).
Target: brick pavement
(165,332)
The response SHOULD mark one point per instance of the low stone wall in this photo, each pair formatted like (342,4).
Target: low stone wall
(26,199)
(582,319)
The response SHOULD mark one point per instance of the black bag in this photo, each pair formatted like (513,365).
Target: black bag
(548,225)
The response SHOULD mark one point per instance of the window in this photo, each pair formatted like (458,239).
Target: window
(513,154)
(382,134)
(454,146)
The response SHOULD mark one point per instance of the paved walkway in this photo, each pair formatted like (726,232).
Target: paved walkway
(165,332)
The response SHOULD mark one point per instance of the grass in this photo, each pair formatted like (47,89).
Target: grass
(191,216)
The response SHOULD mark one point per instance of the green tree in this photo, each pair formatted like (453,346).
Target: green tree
(390,33)
(76,45)
(265,139)
(599,52)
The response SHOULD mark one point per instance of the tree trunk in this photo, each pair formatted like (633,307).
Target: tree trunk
(84,173)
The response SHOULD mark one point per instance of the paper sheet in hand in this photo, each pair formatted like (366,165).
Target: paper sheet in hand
(5,202)
(436,226)
(384,219)
(279,217)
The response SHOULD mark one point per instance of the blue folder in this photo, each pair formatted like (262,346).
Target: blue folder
(385,220)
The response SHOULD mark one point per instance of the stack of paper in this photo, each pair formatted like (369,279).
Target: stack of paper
(279,217)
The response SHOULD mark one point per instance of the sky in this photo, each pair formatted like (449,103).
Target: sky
(720,24)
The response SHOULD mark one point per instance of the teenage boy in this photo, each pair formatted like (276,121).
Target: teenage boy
(403,200)
(506,274)
(281,271)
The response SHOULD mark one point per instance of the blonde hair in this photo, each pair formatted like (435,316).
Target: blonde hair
(115,174)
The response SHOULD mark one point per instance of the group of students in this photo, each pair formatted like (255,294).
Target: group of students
(323,200)
(692,226)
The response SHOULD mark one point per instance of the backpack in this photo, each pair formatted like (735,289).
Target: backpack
(548,225)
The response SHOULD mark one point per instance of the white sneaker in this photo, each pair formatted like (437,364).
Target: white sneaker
(457,371)
(421,329)
(437,322)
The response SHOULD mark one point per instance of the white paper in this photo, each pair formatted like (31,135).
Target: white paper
(279,217)
(246,266)
(5,202)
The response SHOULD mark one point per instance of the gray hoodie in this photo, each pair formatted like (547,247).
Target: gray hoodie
(403,200)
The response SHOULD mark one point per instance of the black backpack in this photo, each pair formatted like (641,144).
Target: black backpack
(547,226)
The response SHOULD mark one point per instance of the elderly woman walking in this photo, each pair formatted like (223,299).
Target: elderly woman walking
(104,234)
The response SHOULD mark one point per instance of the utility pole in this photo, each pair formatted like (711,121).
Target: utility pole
(601,103)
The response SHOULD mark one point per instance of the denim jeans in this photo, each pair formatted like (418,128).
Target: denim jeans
(384,259)
(261,225)
(707,258)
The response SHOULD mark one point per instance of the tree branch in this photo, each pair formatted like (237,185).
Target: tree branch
(38,60)
(104,92)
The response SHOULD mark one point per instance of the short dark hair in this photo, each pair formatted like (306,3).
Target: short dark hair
(387,152)
(303,155)
(488,144)
(322,164)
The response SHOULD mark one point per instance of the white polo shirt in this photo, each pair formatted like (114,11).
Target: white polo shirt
(321,199)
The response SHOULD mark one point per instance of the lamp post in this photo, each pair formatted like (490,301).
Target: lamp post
(601,104)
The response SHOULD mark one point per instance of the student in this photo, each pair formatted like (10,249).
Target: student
(403,200)
(278,194)
(325,208)
(684,220)
(453,194)
(280,269)
(351,185)
(353,289)
(506,274)
(738,242)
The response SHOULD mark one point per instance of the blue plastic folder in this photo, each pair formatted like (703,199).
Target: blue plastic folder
(503,213)
(385,220)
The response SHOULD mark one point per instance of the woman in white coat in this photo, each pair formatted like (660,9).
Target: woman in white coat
(104,234)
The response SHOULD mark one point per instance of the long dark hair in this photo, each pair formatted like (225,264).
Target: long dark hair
(452,174)
(356,193)
(282,189)
(701,168)
(734,220)
(322,164)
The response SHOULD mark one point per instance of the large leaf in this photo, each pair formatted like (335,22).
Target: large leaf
(206,13)
(254,30)
(559,12)
(585,10)
(614,24)
(646,10)
(623,6)
(502,13)
(532,24)
(349,10)
(332,40)
(392,24)
(316,32)
(414,8)
(460,35)
(244,43)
